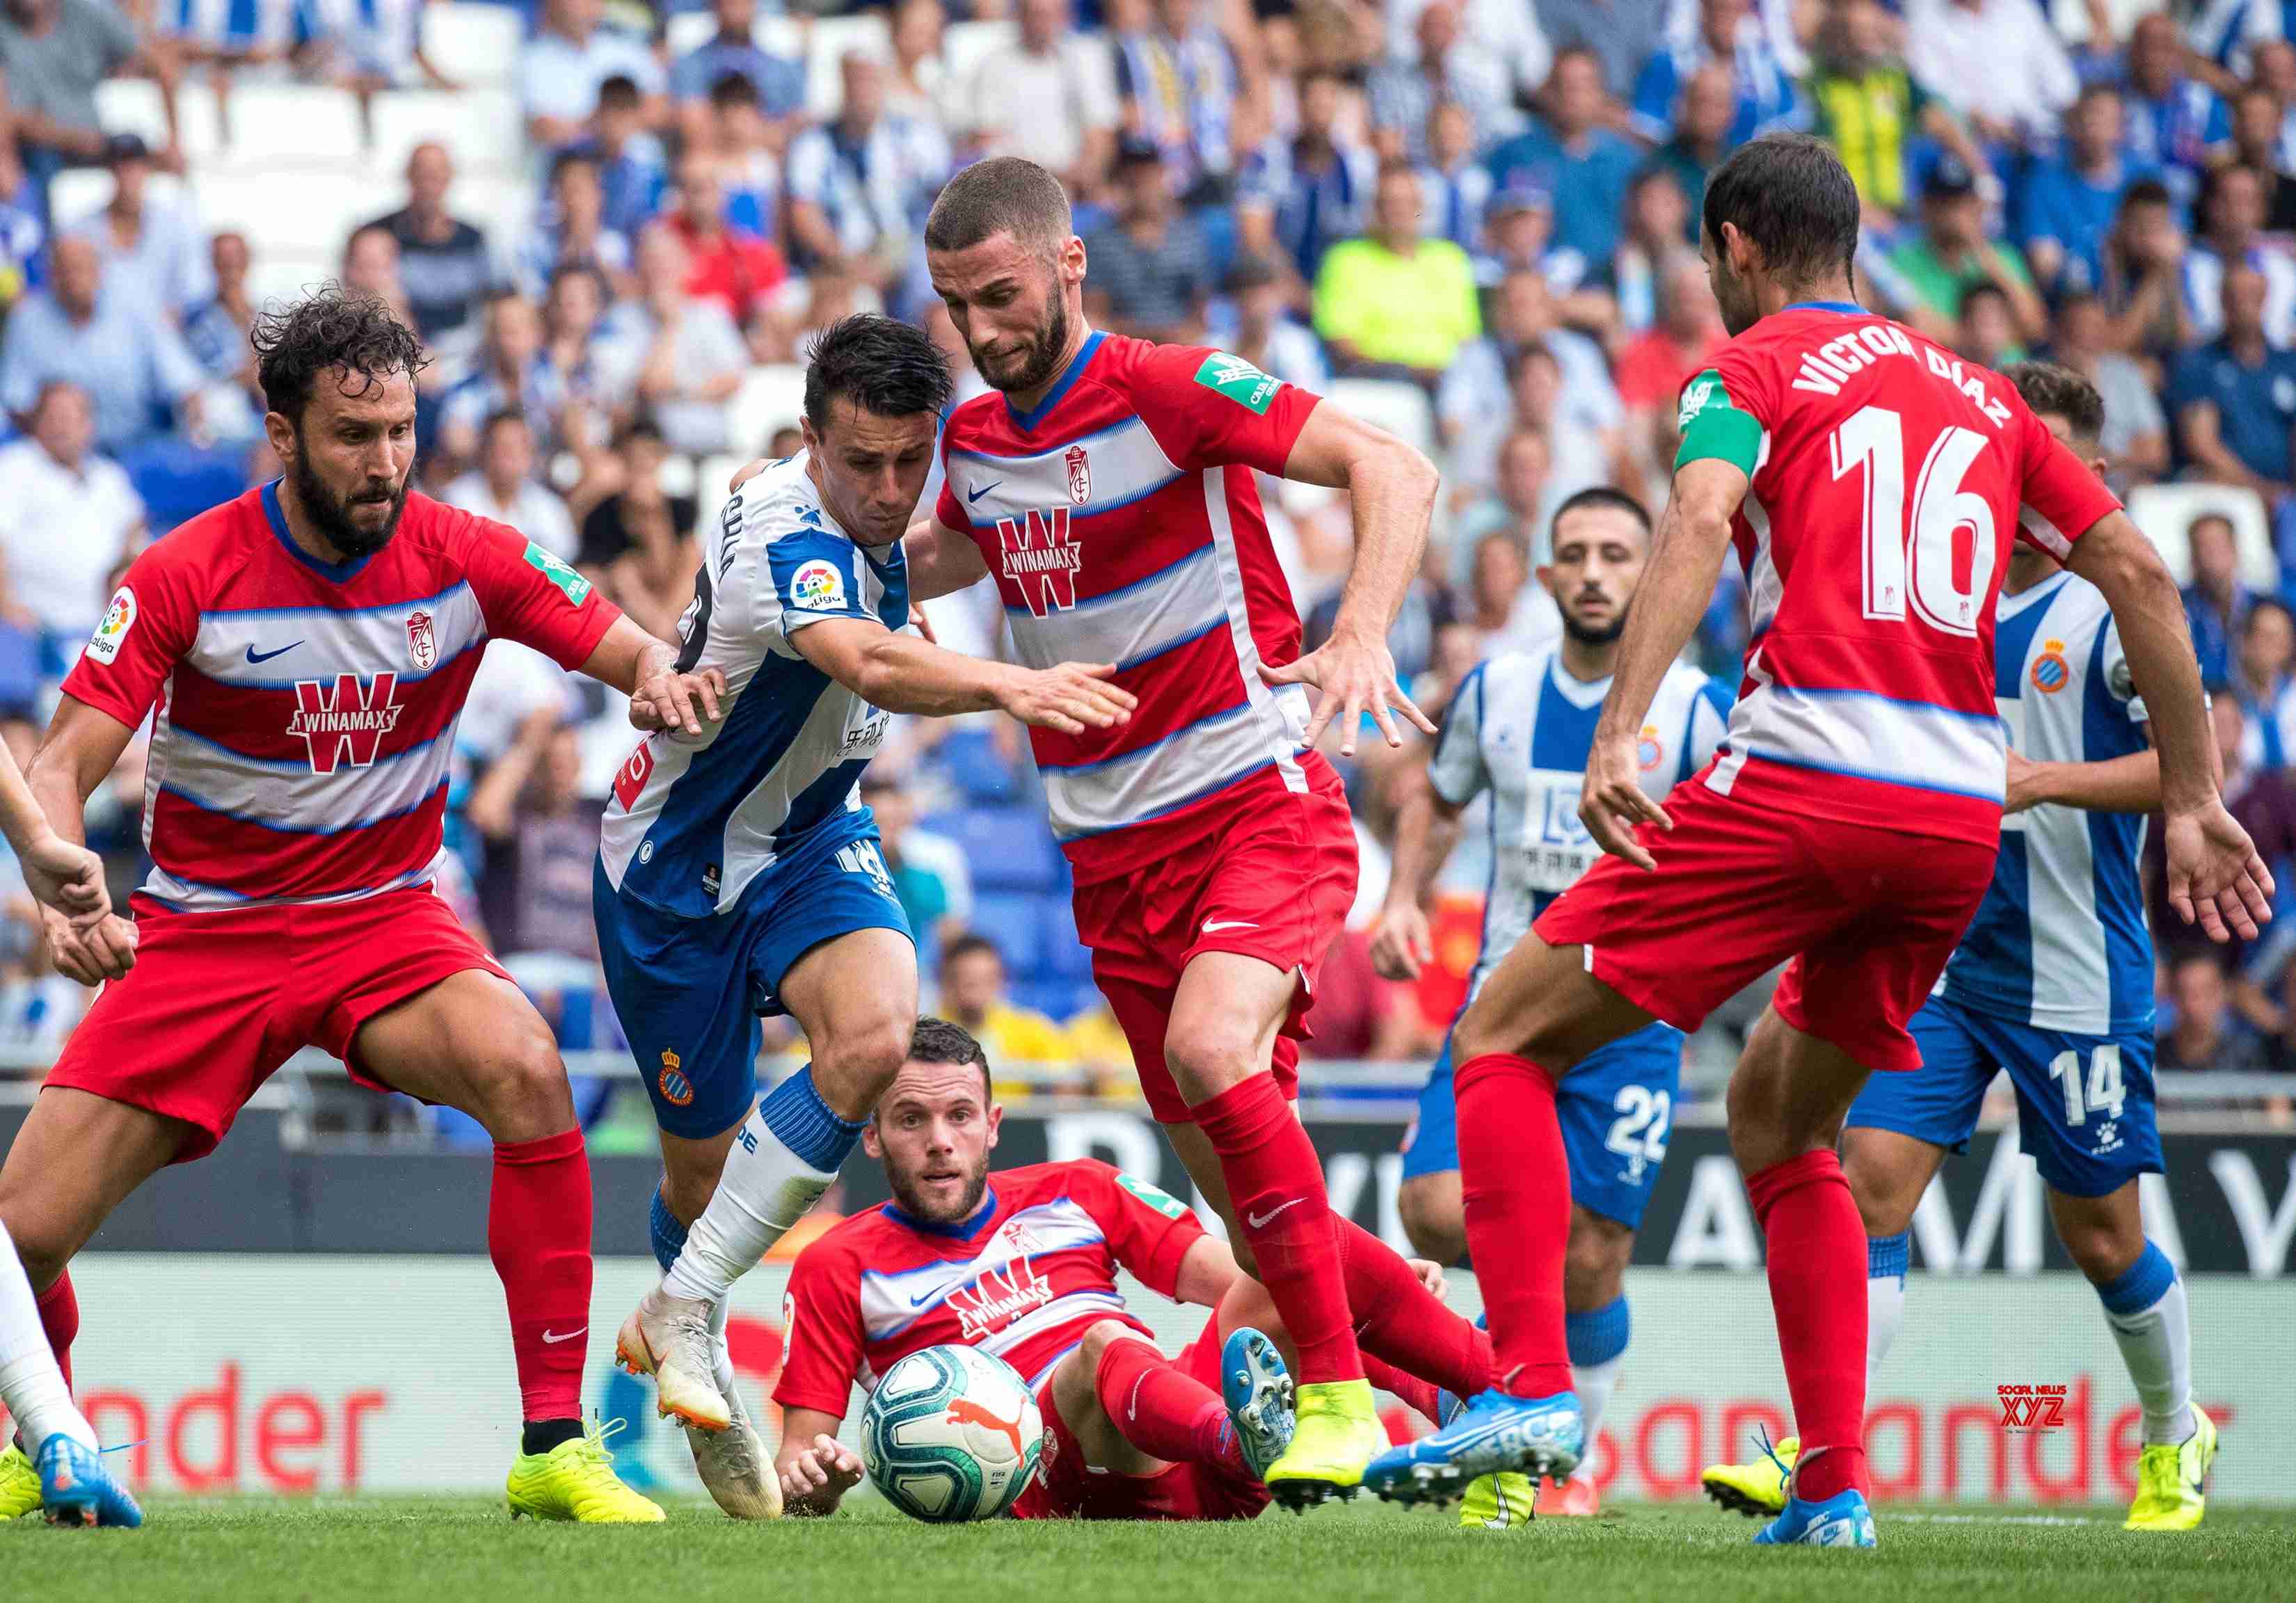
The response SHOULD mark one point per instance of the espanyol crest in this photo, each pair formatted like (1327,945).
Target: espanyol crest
(421,641)
(1080,475)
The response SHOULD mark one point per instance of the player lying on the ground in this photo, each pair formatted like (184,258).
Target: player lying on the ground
(1872,485)
(1520,728)
(54,1462)
(737,875)
(2053,982)
(309,646)
(1021,1264)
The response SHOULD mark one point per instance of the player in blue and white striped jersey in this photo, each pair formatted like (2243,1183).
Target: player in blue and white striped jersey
(739,874)
(2053,982)
(1520,727)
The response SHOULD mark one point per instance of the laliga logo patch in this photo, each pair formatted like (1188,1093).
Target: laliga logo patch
(817,586)
(2051,672)
(676,1090)
(119,617)
(421,641)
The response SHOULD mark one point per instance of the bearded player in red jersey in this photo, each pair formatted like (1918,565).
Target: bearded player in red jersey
(309,646)
(1107,483)
(1871,484)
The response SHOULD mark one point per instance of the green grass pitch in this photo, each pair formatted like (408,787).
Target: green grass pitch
(445,1550)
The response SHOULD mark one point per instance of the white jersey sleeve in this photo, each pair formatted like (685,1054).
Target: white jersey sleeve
(1458,770)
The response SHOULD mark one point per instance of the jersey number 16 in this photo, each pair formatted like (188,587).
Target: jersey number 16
(1927,561)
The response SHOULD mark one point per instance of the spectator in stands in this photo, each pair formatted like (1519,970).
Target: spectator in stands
(443,261)
(566,64)
(684,353)
(1151,271)
(731,266)
(1260,328)
(1584,431)
(1474,405)
(1457,186)
(2136,439)
(69,517)
(1952,252)
(1325,179)
(2260,670)
(973,994)
(1521,500)
(748,160)
(511,376)
(541,843)
(152,245)
(371,267)
(2175,123)
(581,364)
(2235,399)
(1871,109)
(1660,218)
(2232,207)
(503,487)
(631,169)
(1177,89)
(1395,302)
(1617,33)
(2206,1034)
(2216,602)
(1986,332)
(1654,366)
(1702,132)
(2258,145)
(928,872)
(572,234)
(1050,99)
(733,52)
(2144,274)
(639,540)
(1506,31)
(2067,206)
(919,82)
(1498,568)
(217,335)
(1998,63)
(1445,68)
(370,47)
(55,53)
(1518,236)
(859,186)
(1762,91)
(124,353)
(1576,156)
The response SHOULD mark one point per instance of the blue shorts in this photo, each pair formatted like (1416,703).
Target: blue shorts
(689,992)
(1616,1108)
(2084,1102)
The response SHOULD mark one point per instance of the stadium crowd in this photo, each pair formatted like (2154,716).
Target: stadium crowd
(1474,220)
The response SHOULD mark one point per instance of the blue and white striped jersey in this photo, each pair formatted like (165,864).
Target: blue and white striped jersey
(1521,727)
(2060,942)
(696,818)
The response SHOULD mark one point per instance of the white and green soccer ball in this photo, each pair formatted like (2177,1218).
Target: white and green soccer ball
(951,1434)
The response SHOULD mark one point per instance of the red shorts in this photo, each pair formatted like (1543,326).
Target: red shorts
(1274,883)
(1869,916)
(218,1001)
(1067,1488)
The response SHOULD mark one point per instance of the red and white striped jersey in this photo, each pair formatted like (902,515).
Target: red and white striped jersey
(1023,1279)
(306,711)
(1887,479)
(1121,523)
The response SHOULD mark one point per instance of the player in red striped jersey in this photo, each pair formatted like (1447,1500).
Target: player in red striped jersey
(308,648)
(1107,484)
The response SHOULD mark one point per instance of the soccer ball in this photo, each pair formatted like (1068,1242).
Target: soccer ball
(951,1434)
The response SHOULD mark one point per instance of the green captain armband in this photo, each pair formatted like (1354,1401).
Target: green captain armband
(1712,426)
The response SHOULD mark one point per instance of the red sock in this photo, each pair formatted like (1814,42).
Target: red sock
(1817,1289)
(1415,1392)
(59,1319)
(1275,1185)
(1516,1185)
(1164,1413)
(1401,1320)
(539,1235)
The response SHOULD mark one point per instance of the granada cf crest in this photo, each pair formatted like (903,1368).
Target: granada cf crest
(1080,475)
(421,641)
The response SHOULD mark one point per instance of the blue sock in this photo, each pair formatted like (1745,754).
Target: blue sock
(668,1234)
(1599,1334)
(794,1112)
(2140,1285)
(1887,1256)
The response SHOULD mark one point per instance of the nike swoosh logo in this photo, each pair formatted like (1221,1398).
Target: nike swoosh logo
(1261,1220)
(1214,926)
(255,656)
(554,1337)
(972,495)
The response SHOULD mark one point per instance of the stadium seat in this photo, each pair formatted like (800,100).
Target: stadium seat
(977,768)
(178,479)
(133,105)
(294,125)
(1009,849)
(1066,956)
(1055,998)
(688,31)
(78,193)
(964,45)
(827,42)
(306,213)
(1401,409)
(482,128)
(1014,922)
(287,275)
(769,398)
(477,45)
(2165,512)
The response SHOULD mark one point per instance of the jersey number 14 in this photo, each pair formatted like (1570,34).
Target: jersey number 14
(1930,564)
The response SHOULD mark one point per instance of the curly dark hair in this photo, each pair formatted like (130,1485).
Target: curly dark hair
(2049,388)
(332,328)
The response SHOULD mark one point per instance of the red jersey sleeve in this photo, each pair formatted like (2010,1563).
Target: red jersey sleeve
(530,596)
(1148,1231)
(947,509)
(1208,409)
(822,1342)
(2062,499)
(154,618)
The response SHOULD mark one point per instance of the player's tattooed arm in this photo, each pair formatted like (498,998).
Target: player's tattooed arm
(816,1469)
(79,751)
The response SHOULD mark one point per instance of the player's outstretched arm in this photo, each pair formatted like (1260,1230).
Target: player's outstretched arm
(1686,560)
(1392,487)
(816,1469)
(645,670)
(903,674)
(1426,828)
(2122,784)
(59,873)
(81,748)
(2216,877)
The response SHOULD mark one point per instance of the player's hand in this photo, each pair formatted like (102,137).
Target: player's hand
(669,699)
(922,625)
(1357,675)
(820,1474)
(2024,784)
(2215,877)
(105,950)
(1401,943)
(1429,1274)
(1071,697)
(67,878)
(1611,802)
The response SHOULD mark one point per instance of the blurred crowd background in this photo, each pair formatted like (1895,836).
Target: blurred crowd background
(1474,221)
